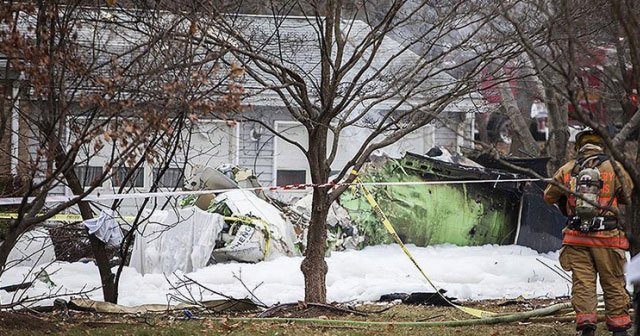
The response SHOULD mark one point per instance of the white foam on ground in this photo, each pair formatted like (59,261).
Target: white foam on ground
(468,273)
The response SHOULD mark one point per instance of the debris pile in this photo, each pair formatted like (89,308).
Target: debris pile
(238,223)
(234,225)
(342,234)
(441,201)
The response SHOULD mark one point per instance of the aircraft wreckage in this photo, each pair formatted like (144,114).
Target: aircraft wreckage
(247,226)
(453,201)
(456,209)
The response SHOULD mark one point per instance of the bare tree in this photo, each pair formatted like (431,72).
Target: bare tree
(98,92)
(524,82)
(342,66)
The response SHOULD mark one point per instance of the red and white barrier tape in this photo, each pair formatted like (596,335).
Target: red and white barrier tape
(289,187)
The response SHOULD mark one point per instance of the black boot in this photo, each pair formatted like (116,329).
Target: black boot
(620,333)
(587,331)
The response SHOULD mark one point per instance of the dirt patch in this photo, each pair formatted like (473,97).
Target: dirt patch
(22,321)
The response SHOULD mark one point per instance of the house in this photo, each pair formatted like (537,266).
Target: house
(278,162)
(214,142)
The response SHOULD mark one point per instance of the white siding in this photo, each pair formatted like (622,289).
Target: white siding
(213,143)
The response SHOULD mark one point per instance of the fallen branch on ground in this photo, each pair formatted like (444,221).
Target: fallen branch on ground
(13,288)
(271,311)
(459,323)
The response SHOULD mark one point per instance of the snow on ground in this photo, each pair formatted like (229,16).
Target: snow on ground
(468,273)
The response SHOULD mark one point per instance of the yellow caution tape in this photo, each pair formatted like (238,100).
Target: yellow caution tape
(387,224)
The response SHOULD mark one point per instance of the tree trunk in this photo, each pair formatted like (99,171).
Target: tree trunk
(98,247)
(558,132)
(519,125)
(481,126)
(314,267)
(10,239)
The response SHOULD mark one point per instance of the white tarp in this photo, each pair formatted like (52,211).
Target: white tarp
(105,228)
(176,240)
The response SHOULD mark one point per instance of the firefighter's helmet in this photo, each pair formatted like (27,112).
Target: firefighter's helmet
(588,135)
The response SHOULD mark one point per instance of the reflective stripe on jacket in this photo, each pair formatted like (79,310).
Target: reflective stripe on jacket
(610,238)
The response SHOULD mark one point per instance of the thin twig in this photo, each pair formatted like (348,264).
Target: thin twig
(379,311)
(185,283)
(218,293)
(562,271)
(431,317)
(251,292)
(554,271)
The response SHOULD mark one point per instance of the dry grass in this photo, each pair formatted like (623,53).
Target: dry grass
(60,323)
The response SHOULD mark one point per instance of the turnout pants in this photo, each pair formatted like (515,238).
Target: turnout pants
(585,263)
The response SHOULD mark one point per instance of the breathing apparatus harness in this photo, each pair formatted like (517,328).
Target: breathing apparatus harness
(586,182)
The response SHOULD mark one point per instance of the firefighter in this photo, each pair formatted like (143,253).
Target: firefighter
(594,242)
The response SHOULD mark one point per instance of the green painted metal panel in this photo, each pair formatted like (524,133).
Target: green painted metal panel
(425,215)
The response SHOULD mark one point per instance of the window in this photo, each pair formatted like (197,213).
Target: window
(88,175)
(172,177)
(291,163)
(136,179)
(291,177)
